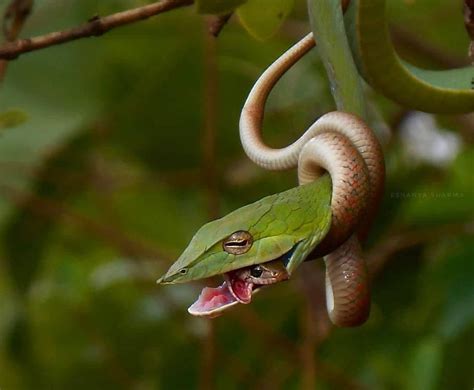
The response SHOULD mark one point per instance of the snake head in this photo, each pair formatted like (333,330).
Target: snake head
(285,226)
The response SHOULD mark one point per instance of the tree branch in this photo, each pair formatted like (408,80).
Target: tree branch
(94,27)
(217,23)
(210,179)
(469,23)
(13,20)
(381,253)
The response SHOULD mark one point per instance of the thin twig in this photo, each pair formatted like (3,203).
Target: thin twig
(208,357)
(336,377)
(13,20)
(469,23)
(308,349)
(216,23)
(208,139)
(94,27)
(209,175)
(274,374)
(251,320)
(312,282)
(49,208)
(313,288)
(14,17)
(381,253)
(290,351)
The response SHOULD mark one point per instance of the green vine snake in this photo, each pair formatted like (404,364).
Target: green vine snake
(263,243)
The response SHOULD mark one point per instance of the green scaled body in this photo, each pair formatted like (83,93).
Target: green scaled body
(293,221)
(444,91)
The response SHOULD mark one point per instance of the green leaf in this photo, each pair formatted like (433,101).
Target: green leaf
(263,18)
(217,6)
(12,118)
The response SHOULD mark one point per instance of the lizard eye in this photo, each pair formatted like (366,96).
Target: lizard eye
(256,271)
(183,271)
(238,242)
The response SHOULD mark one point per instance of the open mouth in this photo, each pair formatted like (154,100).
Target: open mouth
(214,300)
(235,289)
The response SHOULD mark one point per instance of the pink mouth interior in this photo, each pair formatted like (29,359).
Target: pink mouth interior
(212,301)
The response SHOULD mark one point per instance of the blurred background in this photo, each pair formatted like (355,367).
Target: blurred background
(114,150)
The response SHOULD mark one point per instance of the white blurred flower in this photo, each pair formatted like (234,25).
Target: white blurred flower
(425,142)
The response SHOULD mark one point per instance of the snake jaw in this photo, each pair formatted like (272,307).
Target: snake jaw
(214,300)
(238,287)
(241,289)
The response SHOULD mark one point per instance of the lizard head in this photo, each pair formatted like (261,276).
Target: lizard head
(283,227)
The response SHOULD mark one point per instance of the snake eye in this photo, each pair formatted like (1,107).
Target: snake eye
(256,271)
(238,242)
(183,271)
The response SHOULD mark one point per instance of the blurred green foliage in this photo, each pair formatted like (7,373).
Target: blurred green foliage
(217,6)
(262,25)
(12,118)
(102,187)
